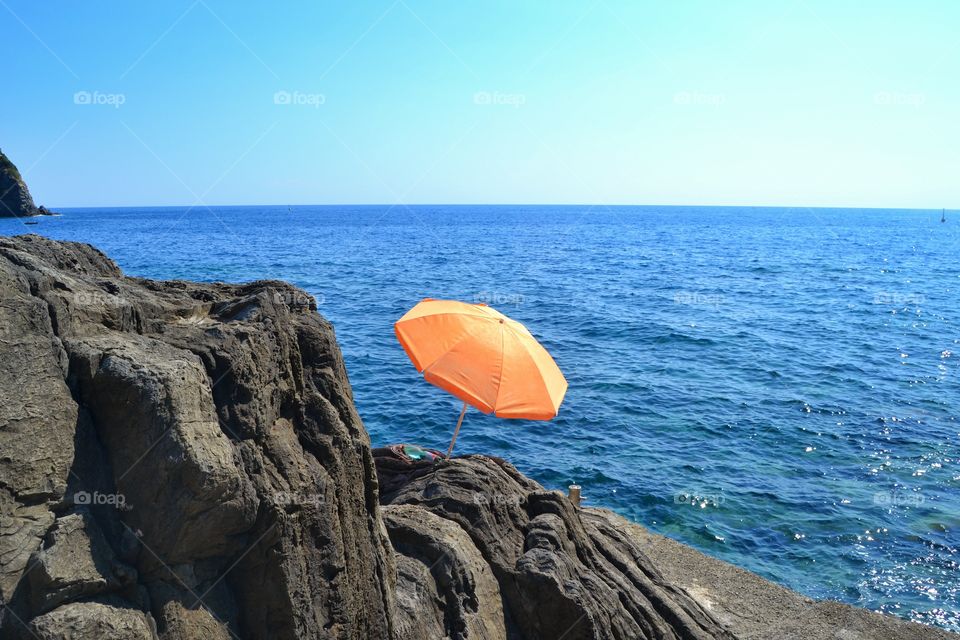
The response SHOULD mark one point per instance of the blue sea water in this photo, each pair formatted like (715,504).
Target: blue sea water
(776,387)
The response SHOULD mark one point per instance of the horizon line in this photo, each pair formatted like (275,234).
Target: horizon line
(506,204)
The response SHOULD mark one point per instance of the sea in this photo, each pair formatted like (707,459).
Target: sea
(777,387)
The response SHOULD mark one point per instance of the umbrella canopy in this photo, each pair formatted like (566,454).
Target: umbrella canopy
(482,357)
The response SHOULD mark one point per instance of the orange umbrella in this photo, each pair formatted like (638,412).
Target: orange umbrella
(483,358)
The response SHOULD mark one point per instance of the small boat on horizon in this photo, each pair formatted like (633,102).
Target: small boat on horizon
(943,215)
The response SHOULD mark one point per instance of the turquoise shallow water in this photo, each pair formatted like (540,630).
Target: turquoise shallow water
(777,387)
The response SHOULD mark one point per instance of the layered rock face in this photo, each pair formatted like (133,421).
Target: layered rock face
(484,552)
(178,460)
(183,460)
(15,198)
(508,559)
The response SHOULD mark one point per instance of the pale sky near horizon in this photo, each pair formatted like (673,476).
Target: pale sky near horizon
(794,103)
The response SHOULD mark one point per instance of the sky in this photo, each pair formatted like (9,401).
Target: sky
(217,102)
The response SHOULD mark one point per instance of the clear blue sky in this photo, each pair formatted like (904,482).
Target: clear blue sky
(766,103)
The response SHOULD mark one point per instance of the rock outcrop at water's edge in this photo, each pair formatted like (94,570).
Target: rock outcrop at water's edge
(183,460)
(15,198)
(179,459)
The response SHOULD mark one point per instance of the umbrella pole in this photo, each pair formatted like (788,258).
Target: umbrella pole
(456,431)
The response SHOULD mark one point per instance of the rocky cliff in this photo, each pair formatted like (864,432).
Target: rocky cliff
(183,460)
(15,198)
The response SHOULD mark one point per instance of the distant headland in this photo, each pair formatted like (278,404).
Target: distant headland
(15,198)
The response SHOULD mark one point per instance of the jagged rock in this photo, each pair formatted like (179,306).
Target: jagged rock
(75,562)
(15,198)
(441,571)
(155,414)
(571,573)
(38,419)
(557,576)
(89,620)
(181,623)
(212,430)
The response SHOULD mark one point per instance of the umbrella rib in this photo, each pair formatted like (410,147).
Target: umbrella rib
(452,347)
(455,344)
(526,351)
(503,357)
